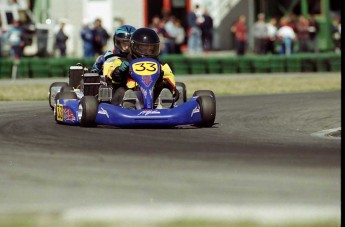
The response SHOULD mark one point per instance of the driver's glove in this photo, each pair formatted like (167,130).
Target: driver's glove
(176,94)
(124,67)
(121,72)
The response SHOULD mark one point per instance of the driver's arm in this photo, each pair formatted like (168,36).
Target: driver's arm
(168,77)
(109,70)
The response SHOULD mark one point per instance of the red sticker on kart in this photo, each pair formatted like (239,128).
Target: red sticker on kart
(68,115)
(145,68)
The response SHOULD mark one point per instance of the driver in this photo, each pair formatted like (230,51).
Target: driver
(121,39)
(144,43)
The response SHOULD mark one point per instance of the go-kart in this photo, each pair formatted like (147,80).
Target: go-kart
(92,110)
(82,82)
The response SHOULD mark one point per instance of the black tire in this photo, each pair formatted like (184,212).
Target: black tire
(118,96)
(87,111)
(57,96)
(67,95)
(66,89)
(207,110)
(183,95)
(204,93)
(55,84)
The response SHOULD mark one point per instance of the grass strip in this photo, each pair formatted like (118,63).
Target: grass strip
(22,90)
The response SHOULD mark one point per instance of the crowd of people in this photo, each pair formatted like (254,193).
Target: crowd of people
(285,36)
(198,35)
(200,30)
(94,37)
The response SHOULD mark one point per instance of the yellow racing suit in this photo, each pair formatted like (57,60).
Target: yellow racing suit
(110,71)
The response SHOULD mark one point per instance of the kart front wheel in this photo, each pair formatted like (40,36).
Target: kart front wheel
(205,93)
(207,110)
(87,111)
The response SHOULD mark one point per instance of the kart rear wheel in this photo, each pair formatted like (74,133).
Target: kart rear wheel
(183,93)
(207,110)
(66,88)
(55,84)
(67,95)
(87,111)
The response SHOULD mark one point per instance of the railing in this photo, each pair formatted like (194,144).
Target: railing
(184,65)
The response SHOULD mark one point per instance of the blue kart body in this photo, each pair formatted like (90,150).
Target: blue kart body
(187,113)
(145,72)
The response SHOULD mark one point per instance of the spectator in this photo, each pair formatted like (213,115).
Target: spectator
(87,37)
(165,38)
(60,40)
(194,33)
(207,31)
(155,23)
(240,31)
(260,34)
(180,36)
(313,29)
(100,36)
(302,30)
(271,36)
(336,34)
(291,21)
(171,30)
(286,36)
(15,39)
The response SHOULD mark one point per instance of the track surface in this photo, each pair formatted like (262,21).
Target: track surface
(260,152)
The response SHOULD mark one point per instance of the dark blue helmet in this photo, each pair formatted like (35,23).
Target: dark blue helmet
(122,36)
(145,42)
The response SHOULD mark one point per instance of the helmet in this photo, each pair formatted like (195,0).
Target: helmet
(122,36)
(145,43)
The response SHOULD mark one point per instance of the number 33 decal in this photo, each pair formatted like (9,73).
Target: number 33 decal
(145,68)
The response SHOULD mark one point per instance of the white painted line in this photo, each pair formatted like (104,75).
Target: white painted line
(324,134)
(168,212)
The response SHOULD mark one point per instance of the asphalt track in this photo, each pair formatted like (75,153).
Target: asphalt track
(259,154)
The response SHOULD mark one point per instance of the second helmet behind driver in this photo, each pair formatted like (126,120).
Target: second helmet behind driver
(121,38)
(145,43)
